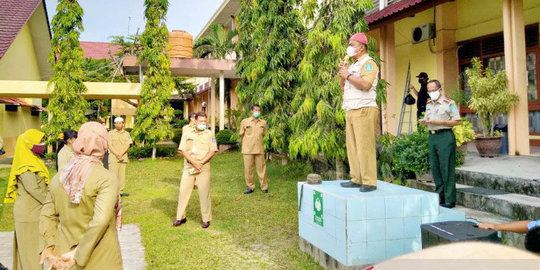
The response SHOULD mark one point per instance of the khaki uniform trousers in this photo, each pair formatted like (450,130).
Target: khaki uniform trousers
(362,125)
(119,170)
(259,162)
(186,187)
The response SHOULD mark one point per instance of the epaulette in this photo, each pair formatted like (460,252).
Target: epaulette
(447,100)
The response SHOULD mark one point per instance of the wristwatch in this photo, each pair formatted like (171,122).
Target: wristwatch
(348,76)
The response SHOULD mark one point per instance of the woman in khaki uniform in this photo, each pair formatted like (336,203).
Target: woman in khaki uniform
(27,185)
(66,152)
(78,218)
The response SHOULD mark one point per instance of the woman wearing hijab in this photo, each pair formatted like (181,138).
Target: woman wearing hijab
(78,218)
(66,148)
(27,186)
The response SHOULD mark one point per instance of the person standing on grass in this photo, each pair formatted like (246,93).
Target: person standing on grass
(118,147)
(198,148)
(252,131)
(359,83)
(82,210)
(27,185)
(191,126)
(66,151)
(441,115)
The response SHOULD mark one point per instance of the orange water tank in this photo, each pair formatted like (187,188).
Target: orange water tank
(181,44)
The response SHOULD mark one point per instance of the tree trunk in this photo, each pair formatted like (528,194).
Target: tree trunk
(153,153)
(340,170)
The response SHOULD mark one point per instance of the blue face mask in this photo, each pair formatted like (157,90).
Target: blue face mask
(201,127)
(256,114)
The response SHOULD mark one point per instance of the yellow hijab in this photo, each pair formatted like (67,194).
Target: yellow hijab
(24,160)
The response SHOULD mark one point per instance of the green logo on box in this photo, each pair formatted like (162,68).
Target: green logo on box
(318,208)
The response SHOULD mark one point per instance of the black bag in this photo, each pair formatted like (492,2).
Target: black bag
(409,99)
(1,153)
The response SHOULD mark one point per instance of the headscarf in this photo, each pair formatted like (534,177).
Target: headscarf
(90,146)
(24,160)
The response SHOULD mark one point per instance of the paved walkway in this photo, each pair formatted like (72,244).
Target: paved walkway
(130,243)
(525,167)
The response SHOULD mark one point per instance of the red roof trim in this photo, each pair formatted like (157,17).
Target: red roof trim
(392,9)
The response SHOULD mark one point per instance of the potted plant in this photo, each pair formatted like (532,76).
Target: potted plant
(464,133)
(490,97)
(226,139)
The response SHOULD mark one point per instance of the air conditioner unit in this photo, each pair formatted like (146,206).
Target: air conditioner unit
(423,33)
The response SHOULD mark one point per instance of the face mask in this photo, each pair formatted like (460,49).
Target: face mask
(256,114)
(351,51)
(421,81)
(435,95)
(201,127)
(38,149)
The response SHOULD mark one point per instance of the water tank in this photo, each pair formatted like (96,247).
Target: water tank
(181,44)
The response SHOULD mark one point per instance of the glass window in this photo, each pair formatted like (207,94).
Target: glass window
(532,84)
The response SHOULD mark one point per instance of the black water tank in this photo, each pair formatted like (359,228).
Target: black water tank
(434,234)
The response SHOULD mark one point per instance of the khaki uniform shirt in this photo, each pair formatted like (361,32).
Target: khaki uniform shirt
(89,225)
(252,131)
(355,98)
(443,109)
(187,128)
(198,145)
(120,141)
(65,154)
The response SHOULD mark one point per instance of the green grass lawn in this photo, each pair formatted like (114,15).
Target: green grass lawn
(256,231)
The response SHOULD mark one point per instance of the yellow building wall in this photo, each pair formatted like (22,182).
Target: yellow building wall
(474,18)
(18,63)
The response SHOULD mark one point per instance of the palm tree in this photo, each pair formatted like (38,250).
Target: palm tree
(219,44)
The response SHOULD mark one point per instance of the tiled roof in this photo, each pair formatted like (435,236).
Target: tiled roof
(20,102)
(391,10)
(98,50)
(13,16)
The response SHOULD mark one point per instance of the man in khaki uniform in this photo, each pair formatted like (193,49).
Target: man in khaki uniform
(252,131)
(118,147)
(359,82)
(191,126)
(442,114)
(198,147)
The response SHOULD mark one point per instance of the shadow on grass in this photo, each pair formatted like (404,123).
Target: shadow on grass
(168,206)
(174,181)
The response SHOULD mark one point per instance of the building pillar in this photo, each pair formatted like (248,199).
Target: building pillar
(186,110)
(516,70)
(388,73)
(212,113)
(445,46)
(221,100)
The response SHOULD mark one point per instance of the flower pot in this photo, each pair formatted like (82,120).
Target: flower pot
(463,147)
(427,177)
(488,146)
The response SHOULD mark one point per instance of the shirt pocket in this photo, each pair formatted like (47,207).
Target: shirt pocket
(249,130)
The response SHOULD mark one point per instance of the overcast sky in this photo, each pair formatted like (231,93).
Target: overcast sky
(105,18)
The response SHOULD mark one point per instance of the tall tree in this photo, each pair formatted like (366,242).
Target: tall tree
(154,113)
(318,123)
(270,44)
(67,106)
(218,44)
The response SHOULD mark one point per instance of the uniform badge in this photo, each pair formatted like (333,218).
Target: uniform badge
(453,108)
(213,140)
(369,67)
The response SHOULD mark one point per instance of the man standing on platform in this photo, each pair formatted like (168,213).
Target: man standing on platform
(119,143)
(441,115)
(359,81)
(252,131)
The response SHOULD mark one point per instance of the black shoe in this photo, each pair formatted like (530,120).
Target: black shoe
(350,184)
(448,205)
(248,191)
(205,225)
(367,188)
(124,195)
(177,222)
(264,191)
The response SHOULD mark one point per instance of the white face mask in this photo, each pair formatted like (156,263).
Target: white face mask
(435,95)
(351,51)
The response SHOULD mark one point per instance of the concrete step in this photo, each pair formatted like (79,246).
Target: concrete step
(512,174)
(510,205)
(511,184)
(508,238)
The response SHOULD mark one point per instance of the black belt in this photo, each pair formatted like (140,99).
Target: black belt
(439,131)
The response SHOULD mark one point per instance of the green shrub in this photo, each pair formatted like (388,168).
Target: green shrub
(385,157)
(410,153)
(177,135)
(464,132)
(227,137)
(165,150)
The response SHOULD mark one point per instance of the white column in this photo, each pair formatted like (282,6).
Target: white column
(221,100)
(212,113)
